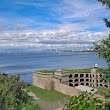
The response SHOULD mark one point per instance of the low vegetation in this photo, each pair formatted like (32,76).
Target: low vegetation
(49,95)
(84,70)
(12,97)
(46,71)
(86,101)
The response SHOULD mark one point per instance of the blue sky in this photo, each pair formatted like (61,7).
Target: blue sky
(56,18)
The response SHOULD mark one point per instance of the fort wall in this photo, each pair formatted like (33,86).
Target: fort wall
(47,81)
(65,89)
(43,81)
(65,82)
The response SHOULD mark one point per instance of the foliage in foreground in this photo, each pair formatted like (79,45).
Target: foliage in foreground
(86,101)
(12,97)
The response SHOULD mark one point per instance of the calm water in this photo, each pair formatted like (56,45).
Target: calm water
(25,63)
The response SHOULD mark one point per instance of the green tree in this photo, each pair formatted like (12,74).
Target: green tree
(103,49)
(12,96)
(107,3)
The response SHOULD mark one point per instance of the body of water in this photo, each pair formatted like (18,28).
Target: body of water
(25,63)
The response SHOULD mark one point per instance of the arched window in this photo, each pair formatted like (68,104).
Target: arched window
(81,80)
(87,84)
(106,85)
(76,75)
(70,80)
(76,84)
(100,84)
(70,84)
(76,80)
(81,75)
(70,76)
(87,75)
(87,79)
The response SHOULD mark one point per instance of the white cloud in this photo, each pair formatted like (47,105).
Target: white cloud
(62,24)
(49,39)
(82,14)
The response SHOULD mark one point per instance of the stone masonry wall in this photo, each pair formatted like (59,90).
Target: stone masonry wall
(43,81)
(47,82)
(65,89)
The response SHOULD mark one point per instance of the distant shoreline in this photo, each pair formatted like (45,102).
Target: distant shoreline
(69,51)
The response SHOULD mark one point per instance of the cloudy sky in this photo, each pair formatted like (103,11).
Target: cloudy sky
(67,24)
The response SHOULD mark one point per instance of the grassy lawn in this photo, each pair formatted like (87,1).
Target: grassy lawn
(44,94)
(46,71)
(83,70)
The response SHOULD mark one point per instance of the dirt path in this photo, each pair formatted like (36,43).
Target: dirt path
(47,105)
(31,94)
(51,105)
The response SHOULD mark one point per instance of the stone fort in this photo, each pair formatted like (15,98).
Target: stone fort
(65,82)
